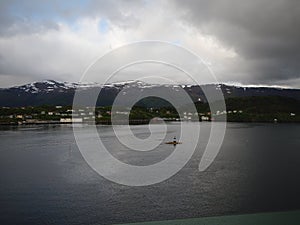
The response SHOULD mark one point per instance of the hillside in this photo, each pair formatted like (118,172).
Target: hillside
(61,93)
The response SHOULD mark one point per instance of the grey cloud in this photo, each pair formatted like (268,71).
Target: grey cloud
(35,16)
(29,49)
(265,33)
(13,21)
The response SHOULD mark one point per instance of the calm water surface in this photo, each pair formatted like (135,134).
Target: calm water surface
(45,180)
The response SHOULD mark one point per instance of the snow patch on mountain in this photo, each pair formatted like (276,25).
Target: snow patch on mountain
(49,86)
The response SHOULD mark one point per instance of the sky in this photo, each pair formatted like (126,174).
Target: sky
(253,42)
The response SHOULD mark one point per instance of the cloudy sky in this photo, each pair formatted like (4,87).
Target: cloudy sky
(246,42)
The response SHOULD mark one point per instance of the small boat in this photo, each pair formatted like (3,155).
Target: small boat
(174,142)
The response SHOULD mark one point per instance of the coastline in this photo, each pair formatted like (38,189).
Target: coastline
(136,122)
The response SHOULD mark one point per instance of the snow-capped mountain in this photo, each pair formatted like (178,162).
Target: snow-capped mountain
(55,86)
(52,92)
(44,86)
(51,86)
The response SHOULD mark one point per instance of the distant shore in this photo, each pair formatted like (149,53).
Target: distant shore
(131,122)
(273,109)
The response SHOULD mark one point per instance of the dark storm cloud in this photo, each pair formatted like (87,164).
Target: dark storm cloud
(263,32)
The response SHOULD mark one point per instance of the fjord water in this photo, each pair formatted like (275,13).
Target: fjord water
(45,180)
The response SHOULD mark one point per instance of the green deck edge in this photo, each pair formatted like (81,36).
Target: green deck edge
(274,218)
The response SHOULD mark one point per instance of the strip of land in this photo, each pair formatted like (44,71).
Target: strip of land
(244,109)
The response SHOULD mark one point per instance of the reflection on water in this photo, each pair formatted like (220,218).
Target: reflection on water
(44,179)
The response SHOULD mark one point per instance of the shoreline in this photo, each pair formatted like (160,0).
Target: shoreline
(138,122)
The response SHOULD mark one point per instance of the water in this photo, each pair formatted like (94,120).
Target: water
(44,179)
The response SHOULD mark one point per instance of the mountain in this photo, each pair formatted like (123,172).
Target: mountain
(52,92)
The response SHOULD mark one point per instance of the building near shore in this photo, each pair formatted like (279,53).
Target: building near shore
(71,120)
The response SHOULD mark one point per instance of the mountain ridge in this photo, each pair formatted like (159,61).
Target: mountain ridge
(51,92)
